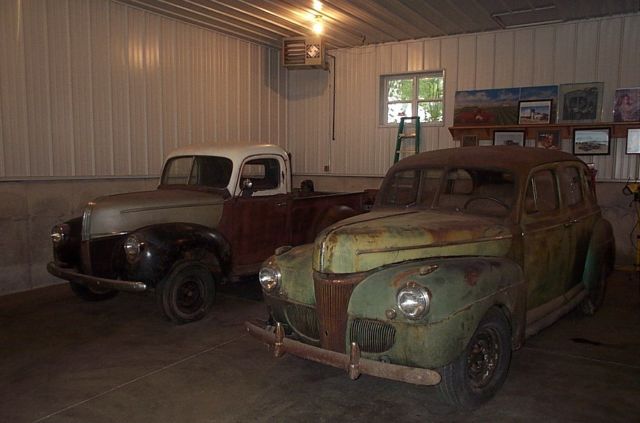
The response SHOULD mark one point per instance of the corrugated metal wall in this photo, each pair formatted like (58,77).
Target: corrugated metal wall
(594,50)
(96,88)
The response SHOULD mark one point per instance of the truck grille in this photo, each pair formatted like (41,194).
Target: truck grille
(332,301)
(303,320)
(372,336)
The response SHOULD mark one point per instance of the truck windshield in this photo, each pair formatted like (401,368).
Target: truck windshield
(476,191)
(206,171)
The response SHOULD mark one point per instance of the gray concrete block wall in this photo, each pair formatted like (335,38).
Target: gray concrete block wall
(29,209)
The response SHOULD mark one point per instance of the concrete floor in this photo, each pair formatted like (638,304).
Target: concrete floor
(64,360)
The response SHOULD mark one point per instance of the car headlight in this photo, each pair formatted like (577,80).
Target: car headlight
(269,277)
(59,233)
(132,247)
(414,301)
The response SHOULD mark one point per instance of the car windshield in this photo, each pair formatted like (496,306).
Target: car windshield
(468,190)
(205,171)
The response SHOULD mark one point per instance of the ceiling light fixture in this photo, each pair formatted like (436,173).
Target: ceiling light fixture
(317,5)
(318,25)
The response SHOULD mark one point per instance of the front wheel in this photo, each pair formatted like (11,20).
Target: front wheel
(187,293)
(91,293)
(477,374)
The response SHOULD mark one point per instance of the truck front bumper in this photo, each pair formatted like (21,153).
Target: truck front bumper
(88,280)
(352,363)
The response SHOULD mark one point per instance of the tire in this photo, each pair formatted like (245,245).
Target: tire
(187,293)
(476,375)
(90,293)
(595,297)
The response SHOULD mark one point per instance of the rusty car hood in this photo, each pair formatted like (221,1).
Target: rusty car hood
(121,213)
(383,237)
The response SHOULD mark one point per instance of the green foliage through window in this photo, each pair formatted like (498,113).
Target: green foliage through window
(405,95)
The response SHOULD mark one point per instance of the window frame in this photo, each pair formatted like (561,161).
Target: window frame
(384,100)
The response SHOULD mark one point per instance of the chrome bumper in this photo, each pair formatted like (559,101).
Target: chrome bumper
(73,276)
(352,363)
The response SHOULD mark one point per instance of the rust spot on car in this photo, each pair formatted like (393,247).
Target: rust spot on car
(400,279)
(471,276)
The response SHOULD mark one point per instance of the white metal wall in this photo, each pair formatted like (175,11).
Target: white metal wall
(97,88)
(594,50)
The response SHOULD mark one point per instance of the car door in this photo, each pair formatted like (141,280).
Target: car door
(547,239)
(259,213)
(582,214)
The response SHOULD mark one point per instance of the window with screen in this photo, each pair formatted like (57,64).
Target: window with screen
(415,94)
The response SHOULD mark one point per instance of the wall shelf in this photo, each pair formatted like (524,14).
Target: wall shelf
(485,132)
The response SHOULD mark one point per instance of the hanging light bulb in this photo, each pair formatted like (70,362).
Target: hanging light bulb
(317,5)
(318,25)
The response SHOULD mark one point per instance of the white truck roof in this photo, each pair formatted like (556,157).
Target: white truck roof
(236,152)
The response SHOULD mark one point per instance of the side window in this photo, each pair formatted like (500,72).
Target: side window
(571,186)
(403,189)
(542,193)
(263,173)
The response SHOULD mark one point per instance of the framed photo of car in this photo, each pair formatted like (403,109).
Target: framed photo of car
(633,141)
(591,141)
(549,140)
(534,112)
(580,102)
(513,137)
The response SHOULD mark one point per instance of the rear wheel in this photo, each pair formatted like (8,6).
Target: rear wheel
(477,374)
(187,293)
(92,293)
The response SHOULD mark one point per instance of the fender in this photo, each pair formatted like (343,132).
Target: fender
(467,285)
(165,244)
(600,254)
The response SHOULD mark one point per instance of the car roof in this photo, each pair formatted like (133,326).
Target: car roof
(235,151)
(513,158)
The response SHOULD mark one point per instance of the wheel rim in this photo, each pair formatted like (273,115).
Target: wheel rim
(483,356)
(190,296)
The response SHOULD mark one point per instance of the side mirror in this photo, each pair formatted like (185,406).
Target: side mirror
(247,184)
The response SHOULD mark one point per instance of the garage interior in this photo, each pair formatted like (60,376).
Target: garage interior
(94,94)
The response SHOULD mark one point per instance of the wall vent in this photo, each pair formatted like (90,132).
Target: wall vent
(303,53)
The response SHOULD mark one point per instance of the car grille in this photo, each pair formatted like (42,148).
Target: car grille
(332,301)
(303,320)
(372,336)
(98,256)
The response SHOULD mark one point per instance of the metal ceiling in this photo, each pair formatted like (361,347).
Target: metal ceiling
(350,23)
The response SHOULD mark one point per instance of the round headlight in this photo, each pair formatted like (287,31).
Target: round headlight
(269,278)
(59,233)
(132,246)
(414,301)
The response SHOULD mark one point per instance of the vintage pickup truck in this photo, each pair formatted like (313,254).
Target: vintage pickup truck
(466,252)
(218,212)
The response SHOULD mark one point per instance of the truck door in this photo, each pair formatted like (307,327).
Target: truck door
(259,212)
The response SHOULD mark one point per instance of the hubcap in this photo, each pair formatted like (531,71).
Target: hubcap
(189,296)
(483,357)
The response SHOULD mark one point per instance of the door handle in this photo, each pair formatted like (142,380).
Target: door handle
(570,222)
(284,203)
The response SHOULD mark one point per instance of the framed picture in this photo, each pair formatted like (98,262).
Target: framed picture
(508,138)
(591,142)
(633,141)
(581,102)
(548,139)
(469,141)
(534,112)
(626,106)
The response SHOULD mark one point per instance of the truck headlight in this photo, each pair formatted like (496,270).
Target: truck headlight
(269,277)
(132,247)
(59,233)
(414,301)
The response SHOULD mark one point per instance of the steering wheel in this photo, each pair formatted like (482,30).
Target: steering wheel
(494,199)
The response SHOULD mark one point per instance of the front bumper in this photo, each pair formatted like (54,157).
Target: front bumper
(82,279)
(352,363)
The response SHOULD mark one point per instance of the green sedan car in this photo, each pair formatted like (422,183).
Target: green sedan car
(466,253)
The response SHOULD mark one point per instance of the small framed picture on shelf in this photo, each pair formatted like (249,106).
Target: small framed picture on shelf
(513,137)
(549,140)
(469,141)
(534,112)
(633,141)
(591,141)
